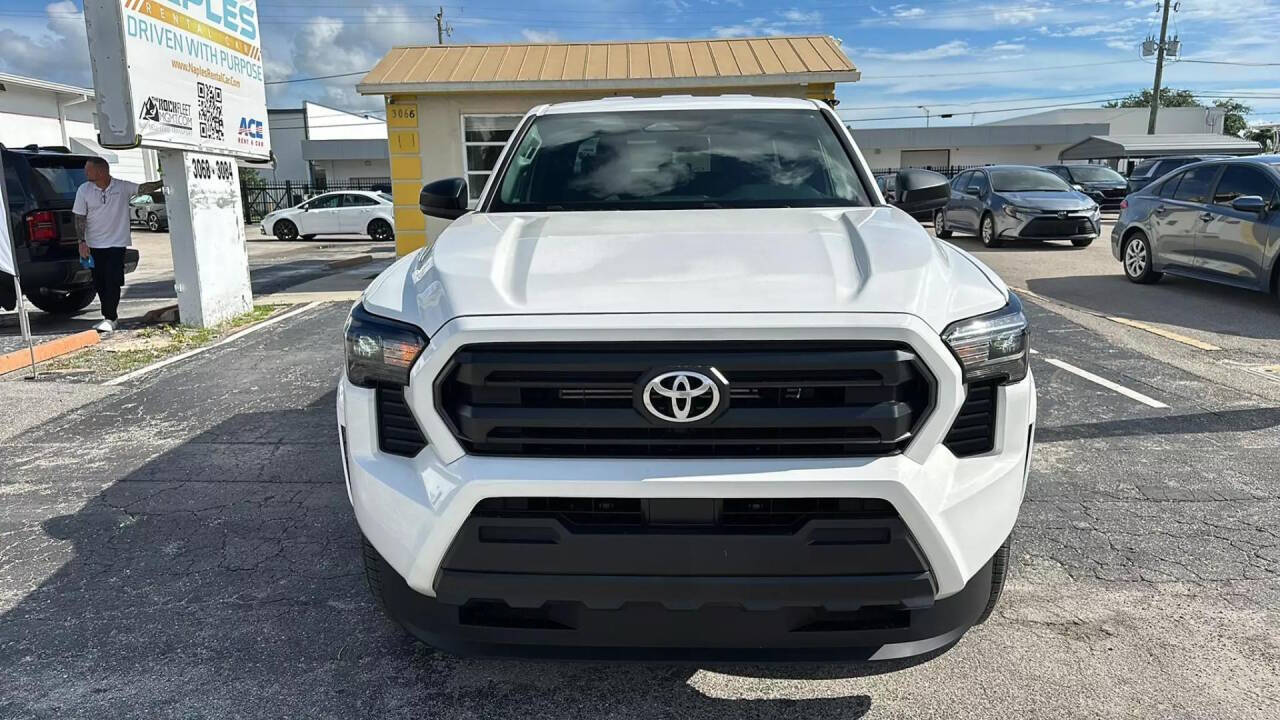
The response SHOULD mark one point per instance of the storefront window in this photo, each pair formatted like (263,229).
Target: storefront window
(482,139)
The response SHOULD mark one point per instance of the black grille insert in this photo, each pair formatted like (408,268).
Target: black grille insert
(398,431)
(1046,227)
(786,399)
(665,515)
(974,430)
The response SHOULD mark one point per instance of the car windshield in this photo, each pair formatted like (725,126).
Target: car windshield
(55,179)
(662,160)
(1094,173)
(1026,180)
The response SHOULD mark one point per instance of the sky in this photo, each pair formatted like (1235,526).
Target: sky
(975,61)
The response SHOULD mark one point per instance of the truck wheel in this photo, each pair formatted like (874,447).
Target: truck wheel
(381,231)
(153,222)
(62,304)
(940,225)
(999,569)
(285,230)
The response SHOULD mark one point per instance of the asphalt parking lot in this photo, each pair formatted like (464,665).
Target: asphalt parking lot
(183,546)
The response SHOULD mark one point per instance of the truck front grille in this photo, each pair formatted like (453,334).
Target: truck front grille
(784,399)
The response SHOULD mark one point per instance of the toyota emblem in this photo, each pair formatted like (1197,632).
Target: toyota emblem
(683,396)
(1063,214)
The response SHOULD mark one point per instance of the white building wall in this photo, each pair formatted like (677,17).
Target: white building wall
(326,123)
(30,115)
(891,158)
(345,171)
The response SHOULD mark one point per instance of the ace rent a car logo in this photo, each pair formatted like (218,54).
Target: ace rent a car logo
(250,132)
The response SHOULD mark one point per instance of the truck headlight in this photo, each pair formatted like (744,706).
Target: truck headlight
(380,351)
(992,345)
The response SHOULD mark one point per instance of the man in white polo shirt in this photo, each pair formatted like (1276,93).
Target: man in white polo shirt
(102,224)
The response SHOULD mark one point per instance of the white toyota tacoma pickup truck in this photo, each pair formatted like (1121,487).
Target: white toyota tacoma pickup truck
(681,385)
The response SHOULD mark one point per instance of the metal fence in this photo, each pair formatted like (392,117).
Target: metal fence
(258,200)
(948,170)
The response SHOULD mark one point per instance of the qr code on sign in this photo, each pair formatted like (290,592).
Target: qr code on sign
(210,98)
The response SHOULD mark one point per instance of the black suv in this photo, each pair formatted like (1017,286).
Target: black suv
(1148,171)
(41,185)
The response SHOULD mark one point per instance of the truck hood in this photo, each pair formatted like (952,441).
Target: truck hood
(686,261)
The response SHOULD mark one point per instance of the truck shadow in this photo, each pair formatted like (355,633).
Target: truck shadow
(222,578)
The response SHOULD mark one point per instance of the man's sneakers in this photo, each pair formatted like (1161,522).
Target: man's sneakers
(106,326)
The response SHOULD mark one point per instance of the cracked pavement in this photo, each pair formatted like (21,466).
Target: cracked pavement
(183,547)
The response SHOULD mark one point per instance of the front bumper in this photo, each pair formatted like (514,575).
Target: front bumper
(1048,226)
(954,512)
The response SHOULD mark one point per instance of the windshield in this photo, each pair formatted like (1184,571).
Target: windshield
(1095,173)
(56,179)
(656,160)
(1026,180)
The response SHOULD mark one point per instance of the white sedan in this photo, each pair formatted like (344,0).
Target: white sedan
(348,212)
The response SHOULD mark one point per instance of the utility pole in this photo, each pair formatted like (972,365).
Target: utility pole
(444,29)
(926,114)
(1155,88)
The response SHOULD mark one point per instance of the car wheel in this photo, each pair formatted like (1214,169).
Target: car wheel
(153,222)
(987,231)
(1136,259)
(1082,242)
(56,303)
(999,570)
(381,231)
(286,230)
(940,224)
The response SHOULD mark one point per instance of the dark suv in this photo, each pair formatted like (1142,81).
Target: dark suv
(1148,171)
(41,185)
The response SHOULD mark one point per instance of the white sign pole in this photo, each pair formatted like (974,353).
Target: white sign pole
(186,77)
(9,264)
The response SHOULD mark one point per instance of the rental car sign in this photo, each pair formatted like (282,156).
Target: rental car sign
(179,74)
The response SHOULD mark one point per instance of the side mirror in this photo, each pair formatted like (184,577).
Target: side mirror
(444,198)
(1249,204)
(921,191)
(973,190)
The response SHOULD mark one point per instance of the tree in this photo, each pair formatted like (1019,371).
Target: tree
(1233,122)
(1168,98)
(1265,136)
(250,178)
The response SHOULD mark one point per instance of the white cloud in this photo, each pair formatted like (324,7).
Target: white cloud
(955,48)
(903,11)
(1015,16)
(1008,47)
(539,36)
(802,18)
(59,51)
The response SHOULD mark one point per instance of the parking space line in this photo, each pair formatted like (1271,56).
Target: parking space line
(1116,387)
(230,338)
(1168,334)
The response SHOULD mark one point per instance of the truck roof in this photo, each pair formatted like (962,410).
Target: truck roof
(678,102)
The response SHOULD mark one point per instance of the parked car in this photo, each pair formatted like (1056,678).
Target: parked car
(346,212)
(1102,184)
(1217,220)
(1004,202)
(681,386)
(148,209)
(1148,171)
(915,191)
(41,186)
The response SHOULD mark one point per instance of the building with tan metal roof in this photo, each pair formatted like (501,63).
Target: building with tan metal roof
(450,108)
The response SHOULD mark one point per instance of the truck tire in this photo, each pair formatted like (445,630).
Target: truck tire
(999,570)
(60,304)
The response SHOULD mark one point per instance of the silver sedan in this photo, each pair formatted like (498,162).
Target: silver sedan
(1004,202)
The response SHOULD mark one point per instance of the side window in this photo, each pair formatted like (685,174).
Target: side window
(961,181)
(1168,187)
(140,200)
(324,202)
(979,180)
(1061,172)
(1196,184)
(1145,169)
(353,200)
(1240,180)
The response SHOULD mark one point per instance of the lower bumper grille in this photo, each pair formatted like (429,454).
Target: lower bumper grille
(398,431)
(1054,227)
(793,399)
(974,429)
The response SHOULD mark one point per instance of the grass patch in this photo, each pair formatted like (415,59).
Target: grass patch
(125,351)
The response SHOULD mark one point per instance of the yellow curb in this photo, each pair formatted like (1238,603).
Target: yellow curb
(47,350)
(1169,334)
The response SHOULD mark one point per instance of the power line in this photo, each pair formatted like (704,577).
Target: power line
(985,112)
(1000,72)
(1230,62)
(317,77)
